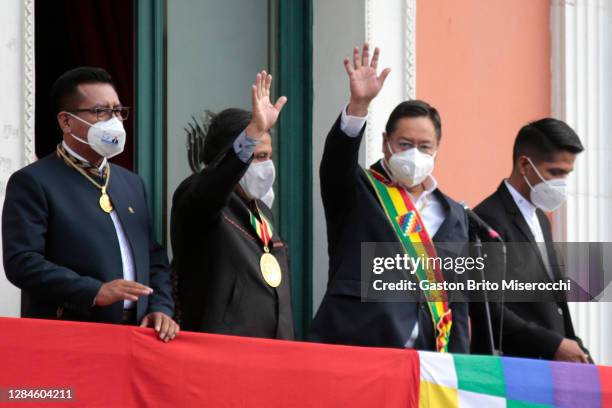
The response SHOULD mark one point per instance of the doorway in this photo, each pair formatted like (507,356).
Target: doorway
(73,33)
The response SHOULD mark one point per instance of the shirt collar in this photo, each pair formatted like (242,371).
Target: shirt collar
(430,184)
(81,158)
(527,209)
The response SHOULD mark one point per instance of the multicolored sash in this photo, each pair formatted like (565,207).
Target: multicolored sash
(411,232)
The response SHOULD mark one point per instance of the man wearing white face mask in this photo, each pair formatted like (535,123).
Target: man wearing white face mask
(231,265)
(359,209)
(258,181)
(76,229)
(543,157)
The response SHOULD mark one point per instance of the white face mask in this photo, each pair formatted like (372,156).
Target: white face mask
(268,198)
(411,167)
(258,179)
(106,138)
(549,194)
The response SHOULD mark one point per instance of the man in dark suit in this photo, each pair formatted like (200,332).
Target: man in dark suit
(232,267)
(76,231)
(543,157)
(355,215)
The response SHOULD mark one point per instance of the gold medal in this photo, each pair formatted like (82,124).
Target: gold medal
(105,203)
(270,269)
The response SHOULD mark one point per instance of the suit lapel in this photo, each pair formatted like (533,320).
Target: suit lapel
(519,222)
(514,213)
(550,251)
(450,219)
(239,214)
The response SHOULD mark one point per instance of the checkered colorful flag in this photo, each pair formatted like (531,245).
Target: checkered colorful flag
(469,381)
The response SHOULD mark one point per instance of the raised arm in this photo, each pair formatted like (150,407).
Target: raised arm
(209,190)
(339,164)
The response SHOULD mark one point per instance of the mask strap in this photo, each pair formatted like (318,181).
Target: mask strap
(78,139)
(527,181)
(386,164)
(536,170)
(389,147)
(77,118)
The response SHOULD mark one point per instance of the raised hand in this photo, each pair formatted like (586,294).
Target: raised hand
(364,81)
(265,114)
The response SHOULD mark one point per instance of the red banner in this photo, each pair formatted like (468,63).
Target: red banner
(120,366)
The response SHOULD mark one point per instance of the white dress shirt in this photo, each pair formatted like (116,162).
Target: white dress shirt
(528,211)
(244,146)
(429,206)
(127,258)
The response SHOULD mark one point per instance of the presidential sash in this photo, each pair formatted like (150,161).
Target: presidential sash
(416,242)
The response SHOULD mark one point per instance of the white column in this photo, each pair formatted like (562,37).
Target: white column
(391,25)
(16,110)
(582,96)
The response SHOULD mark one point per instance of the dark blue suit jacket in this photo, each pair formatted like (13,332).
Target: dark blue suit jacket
(59,247)
(354,215)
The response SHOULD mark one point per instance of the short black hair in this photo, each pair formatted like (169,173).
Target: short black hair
(414,109)
(539,140)
(65,93)
(223,129)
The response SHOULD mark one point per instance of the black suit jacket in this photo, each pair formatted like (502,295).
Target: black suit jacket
(354,215)
(60,247)
(531,329)
(216,258)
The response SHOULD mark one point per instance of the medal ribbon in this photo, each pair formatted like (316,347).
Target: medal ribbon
(83,168)
(262,227)
(416,242)
(73,161)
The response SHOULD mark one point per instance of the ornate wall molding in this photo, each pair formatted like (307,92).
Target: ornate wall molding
(370,137)
(28,82)
(410,11)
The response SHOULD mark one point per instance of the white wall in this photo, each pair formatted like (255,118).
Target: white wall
(13,134)
(215,49)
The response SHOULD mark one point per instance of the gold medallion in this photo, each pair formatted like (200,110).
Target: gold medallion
(105,203)
(270,269)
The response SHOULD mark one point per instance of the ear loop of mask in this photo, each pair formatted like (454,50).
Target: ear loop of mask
(537,172)
(386,164)
(78,139)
